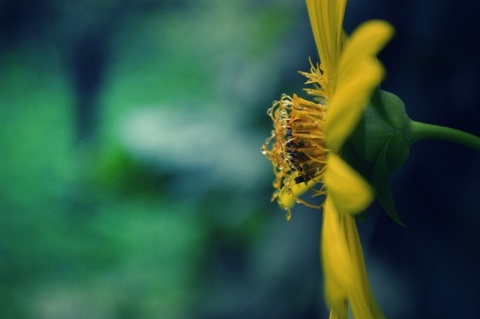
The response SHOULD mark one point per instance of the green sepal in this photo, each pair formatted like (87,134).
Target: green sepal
(391,108)
(381,184)
(384,122)
(381,143)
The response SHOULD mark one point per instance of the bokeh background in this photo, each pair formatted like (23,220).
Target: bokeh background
(132,183)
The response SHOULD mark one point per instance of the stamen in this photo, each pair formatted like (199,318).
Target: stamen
(296,146)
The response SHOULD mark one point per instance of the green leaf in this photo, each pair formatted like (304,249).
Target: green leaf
(382,187)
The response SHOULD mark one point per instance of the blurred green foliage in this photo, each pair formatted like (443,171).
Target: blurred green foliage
(91,230)
(68,241)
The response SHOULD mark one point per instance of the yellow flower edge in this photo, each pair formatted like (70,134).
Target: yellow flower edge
(326,18)
(344,267)
(348,191)
(342,85)
(358,74)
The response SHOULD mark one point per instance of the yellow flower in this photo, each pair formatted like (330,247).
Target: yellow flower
(306,143)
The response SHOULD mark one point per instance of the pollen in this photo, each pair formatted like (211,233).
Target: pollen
(297,145)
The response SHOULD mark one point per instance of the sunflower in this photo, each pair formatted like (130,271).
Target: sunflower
(306,142)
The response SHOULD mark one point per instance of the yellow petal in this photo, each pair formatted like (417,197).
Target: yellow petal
(367,40)
(337,266)
(348,103)
(362,300)
(334,315)
(346,188)
(289,196)
(343,266)
(326,18)
(359,74)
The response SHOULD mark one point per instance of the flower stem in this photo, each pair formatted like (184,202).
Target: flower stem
(422,131)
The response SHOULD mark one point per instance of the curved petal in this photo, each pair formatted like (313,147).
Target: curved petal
(358,75)
(326,18)
(289,197)
(343,265)
(349,101)
(336,262)
(346,188)
(367,40)
(363,303)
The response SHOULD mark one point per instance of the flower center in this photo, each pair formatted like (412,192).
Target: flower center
(298,151)
(305,140)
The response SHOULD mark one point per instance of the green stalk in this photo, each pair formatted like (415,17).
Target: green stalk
(422,131)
